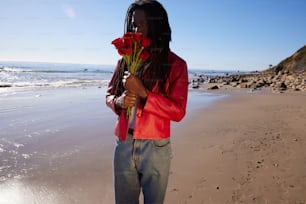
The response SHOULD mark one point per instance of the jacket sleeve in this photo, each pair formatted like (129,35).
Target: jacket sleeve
(111,98)
(173,105)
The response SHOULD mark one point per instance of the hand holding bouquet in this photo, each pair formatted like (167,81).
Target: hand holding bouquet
(132,49)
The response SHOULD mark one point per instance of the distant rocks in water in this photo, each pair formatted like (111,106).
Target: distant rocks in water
(213,87)
(5,85)
(197,80)
(195,85)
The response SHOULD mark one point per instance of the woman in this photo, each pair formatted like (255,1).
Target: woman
(158,95)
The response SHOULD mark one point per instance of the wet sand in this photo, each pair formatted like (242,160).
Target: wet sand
(57,147)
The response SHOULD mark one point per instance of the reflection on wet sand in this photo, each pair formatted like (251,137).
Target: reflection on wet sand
(14,191)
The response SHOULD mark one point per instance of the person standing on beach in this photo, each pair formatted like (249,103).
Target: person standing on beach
(157,95)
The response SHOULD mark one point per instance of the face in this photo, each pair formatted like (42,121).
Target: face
(139,22)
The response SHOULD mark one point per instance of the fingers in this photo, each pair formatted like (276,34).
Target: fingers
(133,84)
(130,94)
(129,81)
(129,99)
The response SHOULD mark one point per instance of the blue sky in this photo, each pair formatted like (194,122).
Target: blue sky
(208,34)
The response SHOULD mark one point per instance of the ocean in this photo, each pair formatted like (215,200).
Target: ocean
(25,76)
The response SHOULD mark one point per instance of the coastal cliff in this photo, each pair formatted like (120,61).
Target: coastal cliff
(293,64)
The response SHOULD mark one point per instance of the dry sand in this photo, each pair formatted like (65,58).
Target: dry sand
(245,148)
(248,148)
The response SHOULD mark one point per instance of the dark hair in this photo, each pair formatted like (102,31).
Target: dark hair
(159,32)
(157,20)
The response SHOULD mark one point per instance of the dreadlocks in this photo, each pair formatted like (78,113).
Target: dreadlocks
(159,32)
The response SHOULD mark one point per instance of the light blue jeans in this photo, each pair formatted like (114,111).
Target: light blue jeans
(141,165)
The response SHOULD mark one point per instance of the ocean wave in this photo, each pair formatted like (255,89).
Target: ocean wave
(20,70)
(58,83)
(18,77)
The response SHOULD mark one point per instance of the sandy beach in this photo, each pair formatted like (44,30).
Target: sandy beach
(247,148)
(241,147)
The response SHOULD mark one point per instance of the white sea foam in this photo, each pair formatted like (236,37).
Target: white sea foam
(14,69)
(17,145)
(20,77)
(26,156)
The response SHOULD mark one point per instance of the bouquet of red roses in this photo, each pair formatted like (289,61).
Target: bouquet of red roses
(132,49)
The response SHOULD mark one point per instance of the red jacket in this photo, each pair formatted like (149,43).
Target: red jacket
(153,120)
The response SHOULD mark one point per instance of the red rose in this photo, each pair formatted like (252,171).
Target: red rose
(144,55)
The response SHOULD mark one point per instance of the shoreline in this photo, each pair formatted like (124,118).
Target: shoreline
(242,147)
(56,143)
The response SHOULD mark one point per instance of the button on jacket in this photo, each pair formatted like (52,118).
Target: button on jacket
(153,120)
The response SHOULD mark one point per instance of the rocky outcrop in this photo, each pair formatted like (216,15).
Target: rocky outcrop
(289,74)
(278,82)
